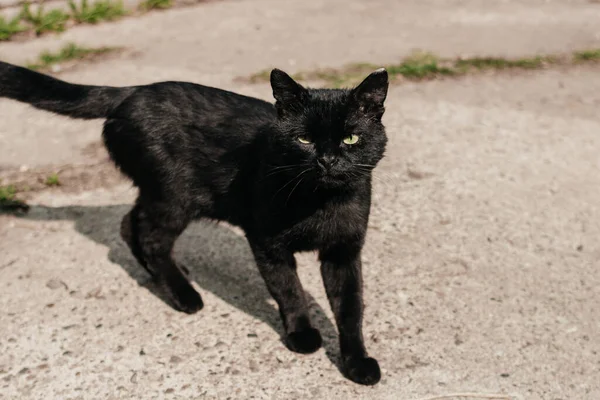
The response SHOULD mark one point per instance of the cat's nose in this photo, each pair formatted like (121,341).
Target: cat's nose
(326,162)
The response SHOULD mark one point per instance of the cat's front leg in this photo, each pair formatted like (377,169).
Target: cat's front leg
(278,268)
(342,276)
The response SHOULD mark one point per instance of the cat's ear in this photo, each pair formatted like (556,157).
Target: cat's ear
(371,93)
(288,93)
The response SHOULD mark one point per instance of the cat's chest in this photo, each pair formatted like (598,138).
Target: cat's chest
(326,226)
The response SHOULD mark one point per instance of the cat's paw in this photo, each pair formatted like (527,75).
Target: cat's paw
(306,341)
(185,298)
(362,370)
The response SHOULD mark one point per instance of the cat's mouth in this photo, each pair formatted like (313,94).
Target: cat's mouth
(331,179)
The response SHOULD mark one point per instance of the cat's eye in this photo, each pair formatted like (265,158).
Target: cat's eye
(304,140)
(352,139)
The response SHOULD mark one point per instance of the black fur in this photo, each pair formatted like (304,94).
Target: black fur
(289,175)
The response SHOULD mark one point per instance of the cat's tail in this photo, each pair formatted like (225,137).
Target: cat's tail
(50,94)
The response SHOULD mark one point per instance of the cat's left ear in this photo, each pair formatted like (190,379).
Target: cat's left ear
(288,93)
(371,93)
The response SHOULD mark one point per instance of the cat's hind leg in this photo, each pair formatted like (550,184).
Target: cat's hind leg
(150,230)
(129,234)
(129,231)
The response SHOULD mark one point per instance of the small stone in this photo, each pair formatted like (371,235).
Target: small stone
(169,390)
(24,371)
(253,366)
(95,294)
(175,359)
(133,378)
(414,173)
(252,335)
(505,375)
(54,284)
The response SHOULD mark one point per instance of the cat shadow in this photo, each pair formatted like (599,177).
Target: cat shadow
(218,259)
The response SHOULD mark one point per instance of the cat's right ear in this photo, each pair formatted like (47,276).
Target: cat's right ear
(288,93)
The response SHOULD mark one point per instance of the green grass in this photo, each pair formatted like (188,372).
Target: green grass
(51,21)
(587,55)
(419,66)
(10,27)
(422,66)
(52,180)
(9,201)
(103,10)
(81,11)
(155,4)
(503,63)
(260,76)
(7,193)
(336,78)
(70,52)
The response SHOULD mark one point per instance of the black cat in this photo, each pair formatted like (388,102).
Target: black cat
(295,177)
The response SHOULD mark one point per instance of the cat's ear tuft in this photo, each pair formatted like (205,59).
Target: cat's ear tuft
(373,90)
(286,91)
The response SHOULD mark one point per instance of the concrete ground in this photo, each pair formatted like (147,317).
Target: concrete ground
(482,263)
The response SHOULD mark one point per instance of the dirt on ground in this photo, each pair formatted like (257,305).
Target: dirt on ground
(481,268)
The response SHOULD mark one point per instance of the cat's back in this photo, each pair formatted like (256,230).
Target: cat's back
(191,133)
(190,121)
(190,103)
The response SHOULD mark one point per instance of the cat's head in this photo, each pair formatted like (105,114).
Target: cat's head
(334,135)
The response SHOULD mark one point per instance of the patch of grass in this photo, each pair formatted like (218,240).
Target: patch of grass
(51,21)
(419,66)
(155,4)
(10,27)
(587,55)
(103,10)
(7,193)
(482,63)
(9,201)
(415,67)
(70,52)
(261,76)
(334,78)
(52,180)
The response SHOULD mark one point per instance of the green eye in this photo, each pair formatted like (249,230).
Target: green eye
(352,139)
(304,140)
